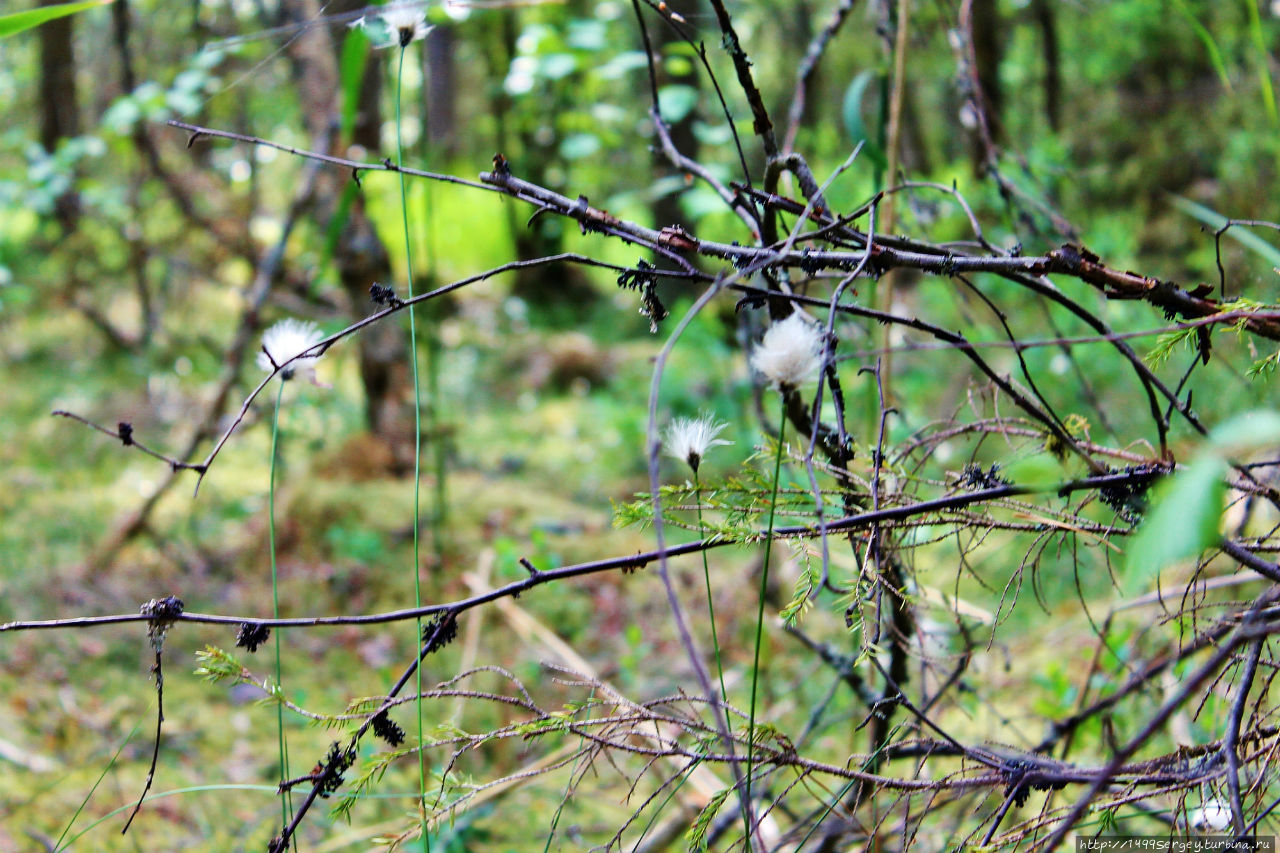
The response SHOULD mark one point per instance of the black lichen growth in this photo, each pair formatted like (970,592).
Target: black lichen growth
(644,279)
(809,264)
(1128,497)
(387,728)
(438,633)
(381,294)
(251,635)
(336,763)
(161,613)
(973,477)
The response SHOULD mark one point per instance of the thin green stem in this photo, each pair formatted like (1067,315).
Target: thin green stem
(684,775)
(286,802)
(417,448)
(755,666)
(715,641)
(711,606)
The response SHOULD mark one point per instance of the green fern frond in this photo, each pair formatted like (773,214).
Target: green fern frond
(802,593)
(697,834)
(217,665)
(1265,368)
(1167,343)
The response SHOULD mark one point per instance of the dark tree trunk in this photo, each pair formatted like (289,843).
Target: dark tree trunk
(438,60)
(59,108)
(362,260)
(988,49)
(1046,20)
(666,208)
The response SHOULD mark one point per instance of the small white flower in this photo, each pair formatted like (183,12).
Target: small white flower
(689,439)
(407,22)
(790,353)
(287,339)
(1213,816)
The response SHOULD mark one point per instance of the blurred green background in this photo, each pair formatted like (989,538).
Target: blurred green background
(130,263)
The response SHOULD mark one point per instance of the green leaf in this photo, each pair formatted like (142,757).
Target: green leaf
(355,56)
(1167,343)
(576,146)
(712,134)
(20,21)
(1246,432)
(1184,519)
(1210,46)
(853,123)
(676,101)
(122,115)
(556,66)
(181,102)
(1187,509)
(1034,472)
(587,35)
(622,64)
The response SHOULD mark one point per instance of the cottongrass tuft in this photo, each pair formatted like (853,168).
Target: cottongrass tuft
(1213,816)
(790,353)
(689,439)
(396,25)
(284,341)
(408,22)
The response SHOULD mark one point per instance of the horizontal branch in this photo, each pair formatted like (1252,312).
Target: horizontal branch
(320,348)
(538,577)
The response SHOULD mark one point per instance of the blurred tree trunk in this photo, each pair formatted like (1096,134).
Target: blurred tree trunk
(988,50)
(438,59)
(359,255)
(666,208)
(362,259)
(1047,21)
(59,108)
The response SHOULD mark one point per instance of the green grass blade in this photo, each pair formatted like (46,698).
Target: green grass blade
(1264,61)
(1210,46)
(354,59)
(17,22)
(1241,235)
(101,776)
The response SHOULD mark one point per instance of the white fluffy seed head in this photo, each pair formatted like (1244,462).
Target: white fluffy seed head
(287,339)
(790,352)
(1213,816)
(689,439)
(407,23)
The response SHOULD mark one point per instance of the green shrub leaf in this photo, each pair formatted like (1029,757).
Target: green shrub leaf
(1184,520)
(1247,432)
